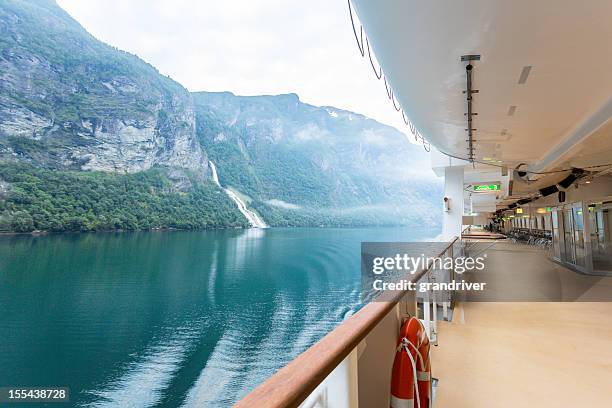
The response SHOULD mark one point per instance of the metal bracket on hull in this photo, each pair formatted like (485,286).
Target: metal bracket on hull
(469,92)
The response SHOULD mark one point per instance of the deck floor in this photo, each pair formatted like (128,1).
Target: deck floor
(527,354)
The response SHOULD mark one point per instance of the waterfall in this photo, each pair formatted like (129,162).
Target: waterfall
(215,177)
(254,219)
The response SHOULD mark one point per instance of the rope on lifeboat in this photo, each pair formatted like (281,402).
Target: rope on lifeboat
(379,74)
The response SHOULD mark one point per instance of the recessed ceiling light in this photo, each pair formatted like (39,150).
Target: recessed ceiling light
(524,74)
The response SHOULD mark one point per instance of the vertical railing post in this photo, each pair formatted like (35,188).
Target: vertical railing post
(426,314)
(445,310)
(434,319)
(451,276)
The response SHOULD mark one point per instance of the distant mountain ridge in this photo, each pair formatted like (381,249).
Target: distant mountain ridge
(307,165)
(76,111)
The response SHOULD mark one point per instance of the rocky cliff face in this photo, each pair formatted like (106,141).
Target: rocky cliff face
(70,101)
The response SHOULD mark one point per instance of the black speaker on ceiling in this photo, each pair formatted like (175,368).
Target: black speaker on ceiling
(561,196)
(546,191)
(524,201)
(566,182)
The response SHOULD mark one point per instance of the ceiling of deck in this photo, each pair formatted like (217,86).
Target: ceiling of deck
(562,110)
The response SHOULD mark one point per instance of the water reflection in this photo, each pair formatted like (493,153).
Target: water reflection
(171,318)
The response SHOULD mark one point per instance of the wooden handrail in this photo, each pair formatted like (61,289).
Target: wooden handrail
(293,383)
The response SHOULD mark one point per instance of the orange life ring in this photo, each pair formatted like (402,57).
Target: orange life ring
(411,376)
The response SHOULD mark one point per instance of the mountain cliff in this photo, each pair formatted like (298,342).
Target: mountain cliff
(70,101)
(94,138)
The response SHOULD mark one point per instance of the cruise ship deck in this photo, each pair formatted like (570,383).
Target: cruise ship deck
(519,272)
(525,355)
(513,100)
(544,354)
(551,351)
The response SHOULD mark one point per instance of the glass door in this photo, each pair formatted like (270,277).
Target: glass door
(568,254)
(568,234)
(556,239)
(578,236)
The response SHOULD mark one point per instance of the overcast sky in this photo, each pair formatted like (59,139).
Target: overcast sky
(249,47)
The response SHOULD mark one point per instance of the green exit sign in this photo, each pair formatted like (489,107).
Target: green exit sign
(487,187)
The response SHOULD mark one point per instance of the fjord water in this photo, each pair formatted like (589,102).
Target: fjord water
(173,318)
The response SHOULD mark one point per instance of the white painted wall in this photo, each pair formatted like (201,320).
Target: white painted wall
(339,389)
(453,189)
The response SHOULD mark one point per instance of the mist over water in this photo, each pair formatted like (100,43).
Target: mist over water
(172,318)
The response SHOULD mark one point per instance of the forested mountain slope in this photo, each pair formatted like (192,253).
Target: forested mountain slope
(94,138)
(302,164)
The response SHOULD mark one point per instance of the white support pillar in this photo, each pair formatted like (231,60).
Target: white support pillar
(453,190)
